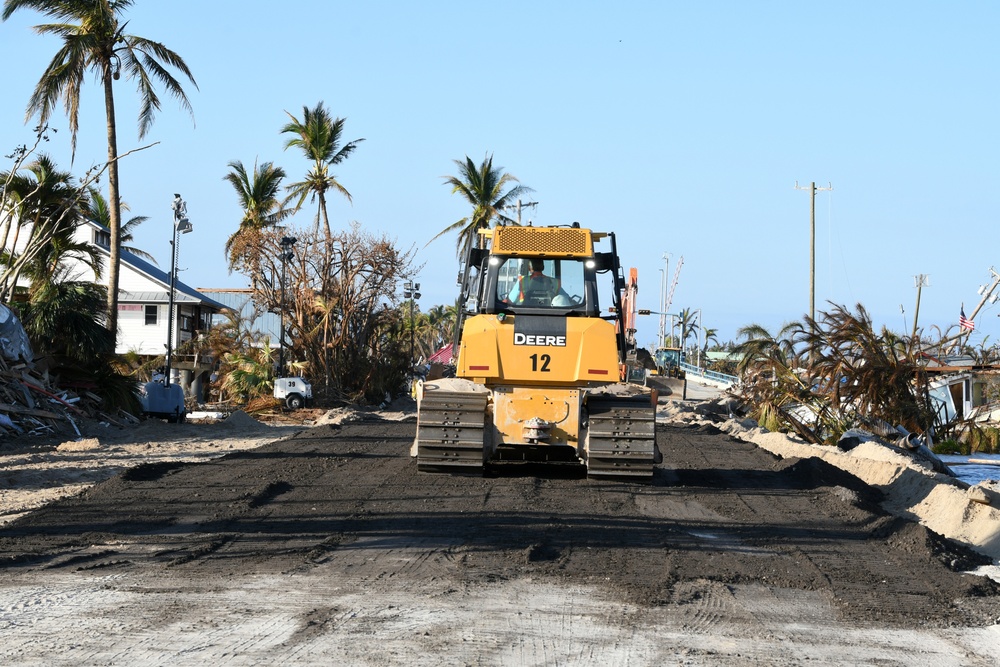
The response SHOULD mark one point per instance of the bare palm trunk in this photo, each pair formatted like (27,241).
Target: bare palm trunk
(114,204)
(322,213)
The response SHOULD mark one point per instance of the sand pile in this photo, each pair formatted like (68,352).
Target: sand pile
(399,410)
(241,420)
(967,514)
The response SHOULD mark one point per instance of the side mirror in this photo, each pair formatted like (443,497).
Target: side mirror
(603,261)
(476,256)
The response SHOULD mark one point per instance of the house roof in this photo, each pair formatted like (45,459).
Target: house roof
(183,293)
(159,297)
(442,356)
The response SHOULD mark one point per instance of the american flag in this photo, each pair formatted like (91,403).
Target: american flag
(965,322)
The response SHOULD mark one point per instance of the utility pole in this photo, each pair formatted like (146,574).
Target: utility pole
(525,205)
(919,281)
(812,243)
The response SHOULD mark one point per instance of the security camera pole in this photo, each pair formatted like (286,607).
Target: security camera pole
(182,225)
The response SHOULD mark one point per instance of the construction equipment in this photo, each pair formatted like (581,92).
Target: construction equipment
(163,400)
(540,371)
(670,377)
(294,392)
(668,362)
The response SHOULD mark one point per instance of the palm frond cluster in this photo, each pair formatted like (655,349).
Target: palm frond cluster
(489,191)
(821,377)
(432,329)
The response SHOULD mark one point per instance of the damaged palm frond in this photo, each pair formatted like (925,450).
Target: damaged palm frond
(249,374)
(824,376)
(769,368)
(866,372)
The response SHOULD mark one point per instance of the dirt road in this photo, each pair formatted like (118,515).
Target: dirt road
(329,548)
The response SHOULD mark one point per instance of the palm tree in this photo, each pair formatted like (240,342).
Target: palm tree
(441,325)
(318,135)
(258,195)
(865,373)
(710,335)
(483,188)
(768,369)
(49,206)
(99,211)
(234,333)
(249,373)
(61,318)
(94,39)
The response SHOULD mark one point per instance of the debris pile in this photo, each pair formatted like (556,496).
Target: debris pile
(29,403)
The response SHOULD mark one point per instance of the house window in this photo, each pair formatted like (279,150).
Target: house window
(151,314)
(102,237)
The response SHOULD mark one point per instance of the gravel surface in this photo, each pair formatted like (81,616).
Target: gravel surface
(329,547)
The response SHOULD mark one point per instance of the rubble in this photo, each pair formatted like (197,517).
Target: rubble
(31,405)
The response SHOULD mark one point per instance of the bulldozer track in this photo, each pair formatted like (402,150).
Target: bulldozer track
(621,438)
(451,429)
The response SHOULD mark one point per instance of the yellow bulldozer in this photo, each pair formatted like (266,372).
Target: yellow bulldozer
(540,367)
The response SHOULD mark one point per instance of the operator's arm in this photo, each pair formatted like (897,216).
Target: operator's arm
(515,292)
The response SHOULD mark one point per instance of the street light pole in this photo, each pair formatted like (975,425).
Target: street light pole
(701,336)
(182,225)
(286,255)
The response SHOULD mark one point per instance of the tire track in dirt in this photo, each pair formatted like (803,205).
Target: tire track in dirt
(349,499)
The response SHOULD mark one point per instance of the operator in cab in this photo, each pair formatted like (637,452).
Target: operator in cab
(536,288)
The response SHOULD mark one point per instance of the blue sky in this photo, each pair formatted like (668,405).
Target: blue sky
(681,126)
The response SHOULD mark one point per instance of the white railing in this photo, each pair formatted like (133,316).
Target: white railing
(710,377)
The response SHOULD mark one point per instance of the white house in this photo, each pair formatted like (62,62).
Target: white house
(143,302)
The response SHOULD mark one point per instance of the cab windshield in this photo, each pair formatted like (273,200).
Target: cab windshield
(538,283)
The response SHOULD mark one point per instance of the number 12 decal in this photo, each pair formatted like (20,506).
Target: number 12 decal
(545,359)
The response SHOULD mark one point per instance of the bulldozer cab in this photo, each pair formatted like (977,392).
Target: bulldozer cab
(495,278)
